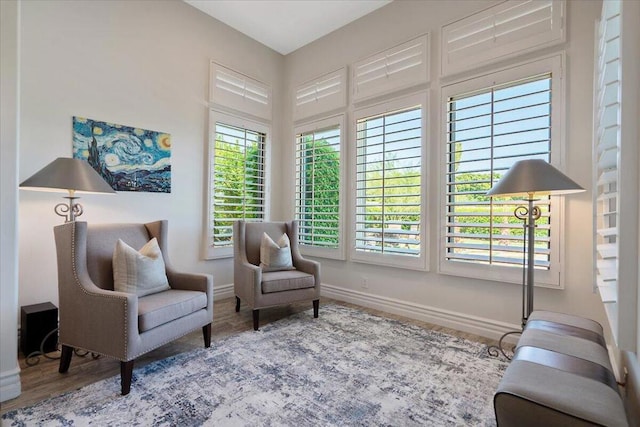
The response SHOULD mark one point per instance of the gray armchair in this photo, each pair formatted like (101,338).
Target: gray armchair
(95,318)
(261,289)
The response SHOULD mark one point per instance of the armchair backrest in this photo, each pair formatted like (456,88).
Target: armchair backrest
(252,232)
(101,241)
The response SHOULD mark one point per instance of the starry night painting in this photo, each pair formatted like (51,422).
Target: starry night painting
(129,159)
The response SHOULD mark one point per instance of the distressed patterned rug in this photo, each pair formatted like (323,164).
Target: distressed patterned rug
(347,368)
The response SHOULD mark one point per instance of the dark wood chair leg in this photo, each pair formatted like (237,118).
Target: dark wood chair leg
(316,306)
(256,319)
(237,304)
(65,359)
(126,372)
(206,334)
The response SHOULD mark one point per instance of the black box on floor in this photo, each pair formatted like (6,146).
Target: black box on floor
(37,320)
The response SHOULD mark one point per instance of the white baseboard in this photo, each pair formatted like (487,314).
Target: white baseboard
(450,319)
(10,386)
(223,291)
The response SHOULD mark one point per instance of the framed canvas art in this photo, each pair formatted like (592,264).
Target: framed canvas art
(128,158)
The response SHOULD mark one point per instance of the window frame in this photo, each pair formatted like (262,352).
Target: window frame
(338,253)
(421,262)
(554,277)
(217,116)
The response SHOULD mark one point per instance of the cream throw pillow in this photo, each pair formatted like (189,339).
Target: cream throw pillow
(275,256)
(139,272)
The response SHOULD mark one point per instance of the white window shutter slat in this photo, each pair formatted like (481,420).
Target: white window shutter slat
(234,90)
(396,68)
(321,95)
(502,31)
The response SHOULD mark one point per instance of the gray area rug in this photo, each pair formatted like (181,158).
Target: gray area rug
(346,368)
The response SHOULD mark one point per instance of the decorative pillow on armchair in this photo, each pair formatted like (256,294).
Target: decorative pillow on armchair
(275,256)
(139,272)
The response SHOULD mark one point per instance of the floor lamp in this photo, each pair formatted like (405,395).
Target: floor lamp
(70,175)
(67,175)
(532,177)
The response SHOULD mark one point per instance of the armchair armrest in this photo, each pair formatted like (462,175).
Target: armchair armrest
(247,280)
(103,321)
(308,266)
(190,281)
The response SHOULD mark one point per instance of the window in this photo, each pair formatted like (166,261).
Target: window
(318,188)
(237,180)
(488,129)
(389,184)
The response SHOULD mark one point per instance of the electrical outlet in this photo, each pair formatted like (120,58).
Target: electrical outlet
(364,284)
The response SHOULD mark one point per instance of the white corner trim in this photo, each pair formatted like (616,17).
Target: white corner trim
(10,384)
(459,321)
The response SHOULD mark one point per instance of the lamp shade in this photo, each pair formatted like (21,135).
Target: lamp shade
(534,176)
(66,174)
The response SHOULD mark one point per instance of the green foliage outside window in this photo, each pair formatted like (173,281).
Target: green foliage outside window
(238,186)
(319,194)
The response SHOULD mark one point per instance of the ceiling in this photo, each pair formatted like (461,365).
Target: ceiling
(286,25)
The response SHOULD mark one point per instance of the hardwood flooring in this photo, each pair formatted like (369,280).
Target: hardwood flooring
(43,380)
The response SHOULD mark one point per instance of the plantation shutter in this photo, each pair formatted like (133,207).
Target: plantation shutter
(238,180)
(239,92)
(487,132)
(321,95)
(388,183)
(505,30)
(317,206)
(402,66)
(606,158)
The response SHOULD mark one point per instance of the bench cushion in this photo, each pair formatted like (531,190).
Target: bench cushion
(567,319)
(163,307)
(535,395)
(581,348)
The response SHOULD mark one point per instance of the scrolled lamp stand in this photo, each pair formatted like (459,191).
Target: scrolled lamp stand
(529,215)
(33,358)
(69,211)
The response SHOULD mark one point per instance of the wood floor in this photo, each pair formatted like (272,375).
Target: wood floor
(43,380)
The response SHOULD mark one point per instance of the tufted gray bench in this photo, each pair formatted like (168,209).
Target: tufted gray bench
(560,375)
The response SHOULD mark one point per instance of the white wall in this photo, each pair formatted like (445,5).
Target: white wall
(136,63)
(9,141)
(474,305)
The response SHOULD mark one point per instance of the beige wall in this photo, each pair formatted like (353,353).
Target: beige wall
(136,63)
(469,304)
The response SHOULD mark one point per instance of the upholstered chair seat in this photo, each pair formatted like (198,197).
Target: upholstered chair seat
(258,286)
(278,281)
(127,311)
(165,307)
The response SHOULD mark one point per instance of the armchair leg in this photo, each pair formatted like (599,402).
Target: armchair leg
(206,334)
(126,372)
(65,359)
(256,319)
(237,304)
(316,306)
